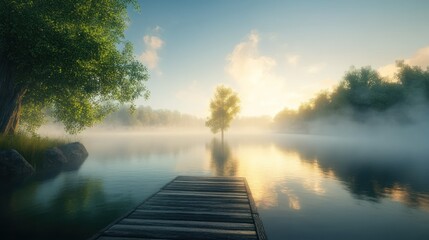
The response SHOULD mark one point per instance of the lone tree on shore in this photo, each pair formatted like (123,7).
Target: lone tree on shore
(69,56)
(223,108)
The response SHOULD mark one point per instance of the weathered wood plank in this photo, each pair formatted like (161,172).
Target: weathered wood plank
(260,231)
(209,183)
(193,224)
(212,179)
(192,208)
(226,186)
(211,186)
(178,232)
(198,202)
(127,238)
(195,208)
(193,216)
(206,182)
(205,189)
(205,194)
(184,196)
(208,200)
(209,204)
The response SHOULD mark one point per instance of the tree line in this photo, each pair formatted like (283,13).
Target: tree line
(362,93)
(145,116)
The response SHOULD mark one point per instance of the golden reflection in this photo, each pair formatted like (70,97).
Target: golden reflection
(314,182)
(293,199)
(402,194)
(278,176)
(269,171)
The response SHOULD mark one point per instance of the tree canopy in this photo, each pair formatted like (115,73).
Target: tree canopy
(68,55)
(224,106)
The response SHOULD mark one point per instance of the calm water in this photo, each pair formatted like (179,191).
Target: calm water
(305,187)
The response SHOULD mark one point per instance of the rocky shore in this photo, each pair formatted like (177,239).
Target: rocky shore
(62,158)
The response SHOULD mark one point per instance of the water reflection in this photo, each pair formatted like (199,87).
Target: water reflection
(370,173)
(270,172)
(67,208)
(294,167)
(222,162)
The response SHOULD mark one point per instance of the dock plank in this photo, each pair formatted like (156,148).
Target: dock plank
(178,232)
(195,208)
(194,224)
(192,207)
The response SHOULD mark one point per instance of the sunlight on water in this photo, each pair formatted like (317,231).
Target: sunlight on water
(270,171)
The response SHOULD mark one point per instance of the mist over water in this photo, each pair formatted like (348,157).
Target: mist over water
(401,128)
(360,182)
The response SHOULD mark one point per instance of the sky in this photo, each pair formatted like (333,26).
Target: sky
(274,54)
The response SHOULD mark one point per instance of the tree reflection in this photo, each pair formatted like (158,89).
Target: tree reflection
(367,172)
(222,162)
(71,209)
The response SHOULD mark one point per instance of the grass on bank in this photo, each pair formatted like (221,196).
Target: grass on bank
(31,148)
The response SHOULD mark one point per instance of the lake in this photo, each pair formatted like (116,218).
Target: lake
(305,187)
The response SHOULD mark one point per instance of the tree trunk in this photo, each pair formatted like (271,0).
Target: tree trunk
(222,135)
(10,99)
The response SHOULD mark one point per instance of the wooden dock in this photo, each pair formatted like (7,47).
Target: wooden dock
(192,208)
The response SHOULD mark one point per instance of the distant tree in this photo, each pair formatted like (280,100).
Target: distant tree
(364,89)
(68,55)
(144,116)
(223,108)
(414,79)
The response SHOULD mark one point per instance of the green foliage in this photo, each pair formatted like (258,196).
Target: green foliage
(415,80)
(32,117)
(31,148)
(71,55)
(362,91)
(223,108)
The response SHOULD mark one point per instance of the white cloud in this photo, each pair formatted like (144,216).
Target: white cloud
(316,68)
(293,59)
(153,44)
(261,90)
(246,64)
(420,58)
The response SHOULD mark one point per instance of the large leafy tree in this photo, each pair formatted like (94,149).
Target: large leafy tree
(69,56)
(224,106)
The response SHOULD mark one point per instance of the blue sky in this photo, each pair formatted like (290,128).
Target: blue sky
(274,54)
